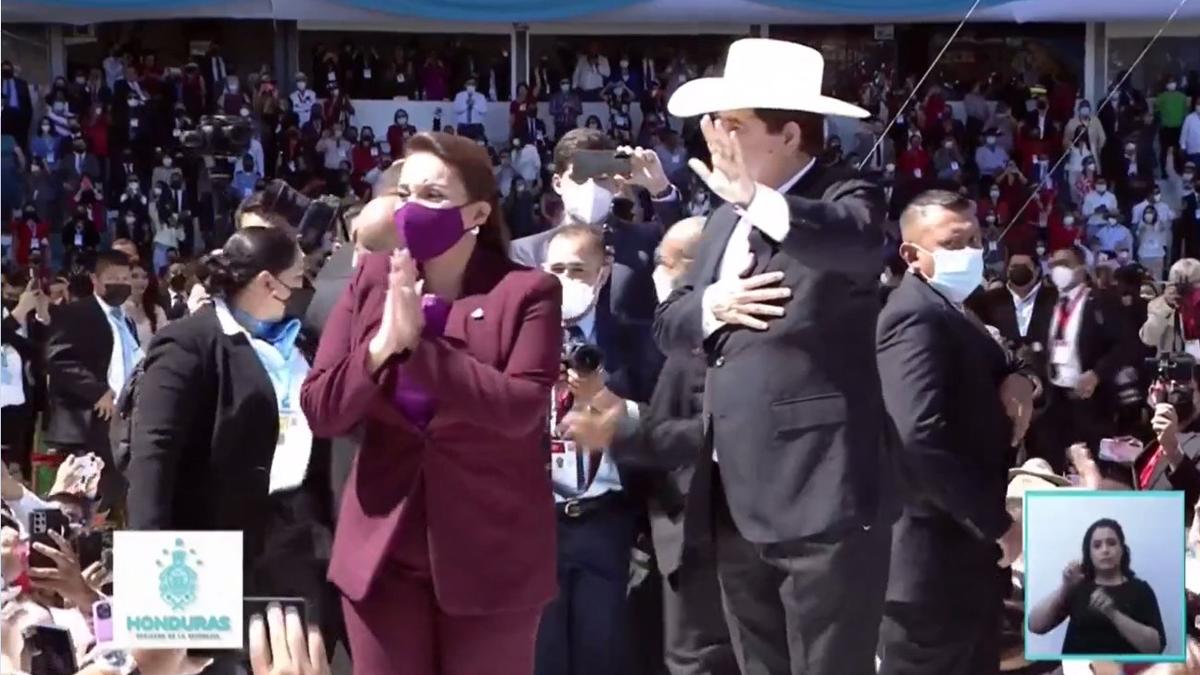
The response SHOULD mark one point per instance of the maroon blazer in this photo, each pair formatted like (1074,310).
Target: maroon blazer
(473,486)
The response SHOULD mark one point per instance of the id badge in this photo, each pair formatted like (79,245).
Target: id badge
(916,173)
(366,73)
(567,466)
(79,241)
(133,123)
(1060,353)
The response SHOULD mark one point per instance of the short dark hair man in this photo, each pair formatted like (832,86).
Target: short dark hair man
(90,355)
(783,297)
(948,385)
(587,200)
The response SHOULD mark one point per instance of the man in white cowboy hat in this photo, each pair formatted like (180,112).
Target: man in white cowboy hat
(783,296)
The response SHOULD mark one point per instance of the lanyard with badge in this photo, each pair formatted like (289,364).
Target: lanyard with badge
(1060,353)
(293,444)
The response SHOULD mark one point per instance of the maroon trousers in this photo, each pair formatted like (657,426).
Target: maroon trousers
(398,629)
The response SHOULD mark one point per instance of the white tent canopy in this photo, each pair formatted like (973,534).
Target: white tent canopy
(743,12)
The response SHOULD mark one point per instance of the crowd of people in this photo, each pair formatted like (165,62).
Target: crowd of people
(644,392)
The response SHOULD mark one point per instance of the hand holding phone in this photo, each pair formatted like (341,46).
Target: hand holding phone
(1124,450)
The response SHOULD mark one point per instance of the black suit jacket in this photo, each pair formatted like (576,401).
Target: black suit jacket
(204,433)
(630,292)
(941,372)
(997,309)
(1105,342)
(669,437)
(78,352)
(795,412)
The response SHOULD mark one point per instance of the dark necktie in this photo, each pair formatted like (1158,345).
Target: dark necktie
(1061,318)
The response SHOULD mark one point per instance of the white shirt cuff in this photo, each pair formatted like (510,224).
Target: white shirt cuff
(671,195)
(768,211)
(633,411)
(709,321)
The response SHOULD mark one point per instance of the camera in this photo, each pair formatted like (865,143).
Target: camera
(312,218)
(582,357)
(225,138)
(1174,381)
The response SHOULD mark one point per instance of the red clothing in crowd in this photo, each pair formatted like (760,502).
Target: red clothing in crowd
(1062,235)
(934,109)
(435,81)
(520,111)
(1062,102)
(25,233)
(914,159)
(1000,208)
(395,139)
(1028,148)
(95,132)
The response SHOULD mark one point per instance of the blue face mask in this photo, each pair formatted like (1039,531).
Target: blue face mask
(956,273)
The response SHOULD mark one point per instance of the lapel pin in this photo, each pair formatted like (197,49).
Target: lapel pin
(477,313)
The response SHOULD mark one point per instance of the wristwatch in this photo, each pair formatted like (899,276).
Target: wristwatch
(670,191)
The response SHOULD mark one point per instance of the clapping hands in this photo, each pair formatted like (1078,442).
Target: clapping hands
(403,319)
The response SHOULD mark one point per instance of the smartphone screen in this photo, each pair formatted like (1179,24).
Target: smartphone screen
(102,621)
(587,164)
(1123,450)
(51,650)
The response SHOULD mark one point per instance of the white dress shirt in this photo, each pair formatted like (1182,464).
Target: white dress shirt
(768,211)
(470,107)
(116,362)
(1064,354)
(1024,308)
(607,478)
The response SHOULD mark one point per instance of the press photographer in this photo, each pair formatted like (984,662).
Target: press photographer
(598,502)
(1170,462)
(1173,319)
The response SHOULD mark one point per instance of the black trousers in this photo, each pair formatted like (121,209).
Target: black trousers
(585,630)
(696,637)
(809,606)
(1073,420)
(959,637)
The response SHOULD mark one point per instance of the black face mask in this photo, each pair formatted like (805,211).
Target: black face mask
(1020,275)
(177,282)
(296,305)
(115,295)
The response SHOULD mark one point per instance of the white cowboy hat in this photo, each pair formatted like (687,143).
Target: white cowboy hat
(761,73)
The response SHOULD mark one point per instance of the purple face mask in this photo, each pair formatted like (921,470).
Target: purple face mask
(429,232)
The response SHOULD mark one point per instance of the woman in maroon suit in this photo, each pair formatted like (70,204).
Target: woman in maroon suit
(443,353)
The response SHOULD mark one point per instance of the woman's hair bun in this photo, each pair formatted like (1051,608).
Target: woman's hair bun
(218,274)
(248,253)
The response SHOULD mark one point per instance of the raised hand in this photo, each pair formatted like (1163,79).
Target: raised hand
(647,170)
(1072,574)
(403,318)
(729,178)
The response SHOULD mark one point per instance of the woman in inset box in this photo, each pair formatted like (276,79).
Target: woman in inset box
(1111,611)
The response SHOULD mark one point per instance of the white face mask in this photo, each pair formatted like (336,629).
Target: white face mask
(1062,277)
(578,298)
(991,140)
(957,273)
(663,283)
(470,89)
(1171,86)
(587,203)
(301,85)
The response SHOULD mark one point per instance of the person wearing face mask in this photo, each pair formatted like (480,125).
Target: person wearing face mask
(598,500)
(396,133)
(1086,127)
(17,112)
(61,116)
(1171,107)
(1165,329)
(451,426)
(587,200)
(46,143)
(961,403)
(1189,134)
(1154,200)
(1154,234)
(470,111)
(91,353)
(1087,344)
(218,440)
(1098,203)
(26,316)
(1186,235)
(303,99)
(31,237)
(1113,235)
(233,99)
(990,157)
(565,108)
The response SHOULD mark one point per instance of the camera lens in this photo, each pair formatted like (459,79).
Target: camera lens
(103,611)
